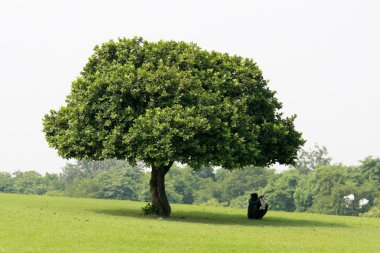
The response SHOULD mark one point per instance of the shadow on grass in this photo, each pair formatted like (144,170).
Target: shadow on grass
(216,218)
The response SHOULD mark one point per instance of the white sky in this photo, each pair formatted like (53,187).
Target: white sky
(322,57)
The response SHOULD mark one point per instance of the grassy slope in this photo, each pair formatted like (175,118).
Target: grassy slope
(57,224)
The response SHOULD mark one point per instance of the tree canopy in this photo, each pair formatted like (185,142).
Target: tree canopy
(168,101)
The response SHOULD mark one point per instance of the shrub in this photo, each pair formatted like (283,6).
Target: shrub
(149,209)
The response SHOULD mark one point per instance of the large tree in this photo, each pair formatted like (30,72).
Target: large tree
(168,101)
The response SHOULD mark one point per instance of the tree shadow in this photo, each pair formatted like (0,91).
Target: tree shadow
(217,218)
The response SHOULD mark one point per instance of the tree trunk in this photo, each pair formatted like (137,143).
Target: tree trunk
(157,189)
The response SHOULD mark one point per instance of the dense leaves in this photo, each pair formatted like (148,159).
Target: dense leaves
(172,101)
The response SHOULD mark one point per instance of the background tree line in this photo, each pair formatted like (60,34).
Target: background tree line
(312,185)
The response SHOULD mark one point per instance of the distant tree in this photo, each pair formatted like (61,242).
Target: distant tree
(168,101)
(207,190)
(233,184)
(6,182)
(184,183)
(53,182)
(371,168)
(241,201)
(322,182)
(308,159)
(29,182)
(84,188)
(323,189)
(373,211)
(108,179)
(119,183)
(303,194)
(88,169)
(204,172)
(280,193)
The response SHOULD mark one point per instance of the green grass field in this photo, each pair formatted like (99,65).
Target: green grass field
(57,224)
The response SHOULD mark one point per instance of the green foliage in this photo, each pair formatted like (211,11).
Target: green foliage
(180,185)
(280,193)
(119,183)
(322,191)
(207,190)
(204,172)
(371,169)
(183,184)
(88,169)
(303,195)
(319,191)
(84,188)
(149,209)
(241,201)
(324,182)
(171,101)
(309,160)
(6,183)
(53,182)
(374,212)
(232,184)
(29,182)
(111,180)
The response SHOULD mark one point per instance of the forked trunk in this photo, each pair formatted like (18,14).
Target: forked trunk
(157,189)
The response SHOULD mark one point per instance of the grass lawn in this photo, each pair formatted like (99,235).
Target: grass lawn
(58,224)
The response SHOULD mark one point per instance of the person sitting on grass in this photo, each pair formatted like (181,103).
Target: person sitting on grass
(257,207)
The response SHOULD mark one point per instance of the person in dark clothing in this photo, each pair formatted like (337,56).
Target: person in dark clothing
(257,207)
(251,204)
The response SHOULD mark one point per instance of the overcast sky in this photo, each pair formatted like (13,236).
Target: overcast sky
(322,57)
